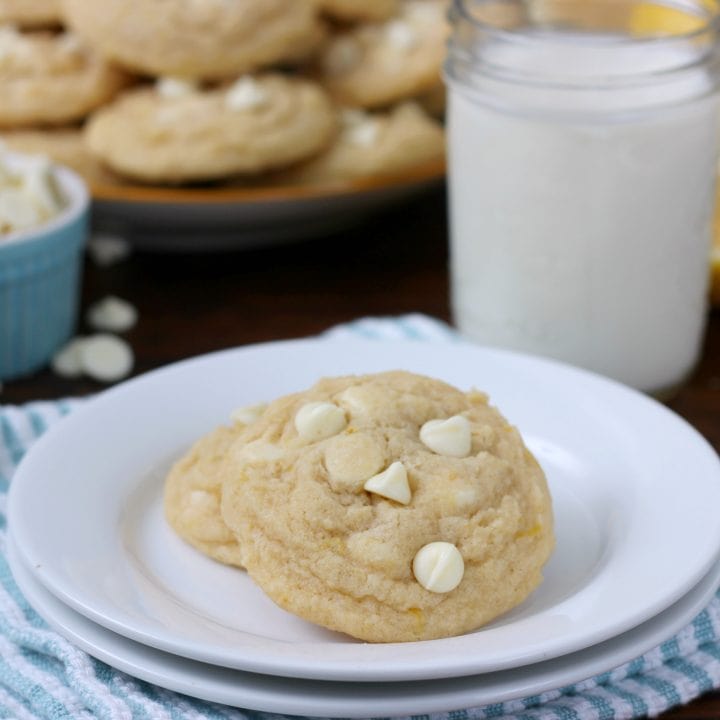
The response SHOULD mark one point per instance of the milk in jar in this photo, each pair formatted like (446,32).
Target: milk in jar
(582,158)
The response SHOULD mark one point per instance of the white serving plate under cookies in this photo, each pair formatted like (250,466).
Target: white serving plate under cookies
(635,493)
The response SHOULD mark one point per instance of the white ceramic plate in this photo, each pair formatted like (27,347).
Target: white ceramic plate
(635,489)
(227,217)
(347,699)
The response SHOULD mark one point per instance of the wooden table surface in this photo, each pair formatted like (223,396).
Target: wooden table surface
(396,263)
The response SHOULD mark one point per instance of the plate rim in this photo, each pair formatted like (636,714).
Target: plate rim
(610,657)
(298,670)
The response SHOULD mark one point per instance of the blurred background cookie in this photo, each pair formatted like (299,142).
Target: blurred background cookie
(373,144)
(377,64)
(354,10)
(175,133)
(196,38)
(30,13)
(50,79)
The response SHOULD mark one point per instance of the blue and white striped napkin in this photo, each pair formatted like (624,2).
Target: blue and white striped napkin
(42,676)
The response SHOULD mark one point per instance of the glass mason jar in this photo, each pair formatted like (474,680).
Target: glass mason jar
(582,161)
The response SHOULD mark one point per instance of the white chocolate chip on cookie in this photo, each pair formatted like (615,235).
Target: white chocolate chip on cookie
(439,567)
(248,414)
(450,437)
(173,87)
(400,35)
(391,483)
(245,94)
(319,420)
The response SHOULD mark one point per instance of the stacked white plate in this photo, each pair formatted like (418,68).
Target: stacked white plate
(635,492)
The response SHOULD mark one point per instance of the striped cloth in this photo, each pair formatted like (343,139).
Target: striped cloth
(44,676)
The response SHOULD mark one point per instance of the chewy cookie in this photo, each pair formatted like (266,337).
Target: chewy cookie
(174,133)
(192,496)
(391,507)
(373,144)
(377,64)
(358,10)
(64,146)
(30,13)
(51,79)
(196,38)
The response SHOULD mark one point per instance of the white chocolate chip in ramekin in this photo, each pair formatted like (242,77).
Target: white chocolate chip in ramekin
(249,414)
(319,420)
(438,567)
(112,314)
(391,483)
(452,437)
(106,358)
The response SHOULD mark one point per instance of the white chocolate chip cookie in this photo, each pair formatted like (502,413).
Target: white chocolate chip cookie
(197,38)
(372,144)
(247,127)
(65,146)
(192,496)
(375,65)
(30,13)
(48,79)
(368,531)
(358,10)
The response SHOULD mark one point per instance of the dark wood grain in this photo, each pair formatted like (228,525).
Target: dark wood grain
(397,263)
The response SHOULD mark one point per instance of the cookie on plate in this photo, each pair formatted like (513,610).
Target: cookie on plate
(64,145)
(391,507)
(30,13)
(372,144)
(196,38)
(358,10)
(176,133)
(192,496)
(49,79)
(378,64)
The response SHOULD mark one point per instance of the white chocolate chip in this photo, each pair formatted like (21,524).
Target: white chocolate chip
(364,134)
(450,437)
(171,88)
(344,54)
(259,451)
(112,314)
(439,567)
(245,94)
(391,483)
(67,362)
(249,414)
(106,358)
(319,420)
(202,498)
(400,35)
(107,250)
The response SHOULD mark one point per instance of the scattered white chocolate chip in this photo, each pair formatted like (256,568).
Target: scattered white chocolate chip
(319,420)
(391,483)
(249,414)
(106,250)
(438,567)
(172,88)
(67,362)
(450,437)
(245,94)
(112,314)
(106,358)
(400,35)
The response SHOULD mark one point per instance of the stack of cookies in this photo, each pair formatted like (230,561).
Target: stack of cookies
(391,507)
(257,92)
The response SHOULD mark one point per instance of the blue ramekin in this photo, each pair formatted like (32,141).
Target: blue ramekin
(40,279)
